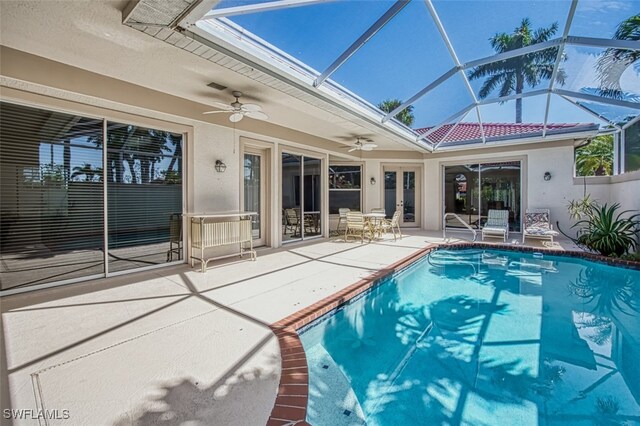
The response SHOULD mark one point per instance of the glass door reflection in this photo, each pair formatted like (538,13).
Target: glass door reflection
(291,197)
(461,194)
(500,190)
(471,190)
(253,196)
(401,192)
(312,196)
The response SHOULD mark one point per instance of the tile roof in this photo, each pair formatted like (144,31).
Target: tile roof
(470,132)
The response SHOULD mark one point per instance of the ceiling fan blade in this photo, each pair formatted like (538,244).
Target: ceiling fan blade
(235,117)
(251,107)
(355,148)
(258,115)
(221,105)
(215,112)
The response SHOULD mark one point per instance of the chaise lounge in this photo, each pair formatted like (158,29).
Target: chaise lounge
(537,224)
(497,224)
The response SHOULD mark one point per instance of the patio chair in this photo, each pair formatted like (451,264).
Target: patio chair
(497,224)
(356,226)
(393,225)
(292,221)
(537,224)
(342,218)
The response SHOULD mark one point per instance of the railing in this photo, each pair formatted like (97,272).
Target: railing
(466,225)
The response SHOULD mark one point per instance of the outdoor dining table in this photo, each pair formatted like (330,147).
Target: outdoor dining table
(376,220)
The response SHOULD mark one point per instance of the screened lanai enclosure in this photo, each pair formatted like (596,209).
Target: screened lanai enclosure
(85,196)
(455,66)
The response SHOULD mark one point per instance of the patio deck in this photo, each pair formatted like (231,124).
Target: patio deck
(175,345)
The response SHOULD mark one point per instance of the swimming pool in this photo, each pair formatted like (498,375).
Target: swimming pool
(482,337)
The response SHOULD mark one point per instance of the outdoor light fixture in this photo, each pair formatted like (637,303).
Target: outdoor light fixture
(372,181)
(220,166)
(547,176)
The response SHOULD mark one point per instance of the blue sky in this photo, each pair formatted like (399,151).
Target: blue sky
(409,53)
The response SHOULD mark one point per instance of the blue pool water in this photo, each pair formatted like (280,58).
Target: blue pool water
(482,337)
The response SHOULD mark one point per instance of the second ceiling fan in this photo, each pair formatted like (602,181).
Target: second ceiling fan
(239,110)
(367,145)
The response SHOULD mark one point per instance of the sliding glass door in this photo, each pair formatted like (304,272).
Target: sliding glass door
(56,172)
(144,196)
(471,190)
(500,190)
(301,197)
(52,219)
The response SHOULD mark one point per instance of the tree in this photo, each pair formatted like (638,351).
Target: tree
(510,75)
(596,158)
(88,172)
(405,116)
(614,62)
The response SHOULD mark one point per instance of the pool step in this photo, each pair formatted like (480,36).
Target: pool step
(332,401)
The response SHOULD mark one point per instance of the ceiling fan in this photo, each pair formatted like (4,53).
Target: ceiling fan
(367,145)
(239,110)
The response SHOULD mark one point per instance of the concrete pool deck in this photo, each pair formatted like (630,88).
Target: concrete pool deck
(175,346)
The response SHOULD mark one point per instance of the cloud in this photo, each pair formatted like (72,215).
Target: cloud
(604,5)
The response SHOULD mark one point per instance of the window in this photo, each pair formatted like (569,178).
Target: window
(345,188)
(596,157)
(632,147)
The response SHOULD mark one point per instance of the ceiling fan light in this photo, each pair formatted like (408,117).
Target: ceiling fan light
(235,117)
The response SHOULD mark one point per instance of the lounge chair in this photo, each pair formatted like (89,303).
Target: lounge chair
(497,224)
(356,226)
(537,224)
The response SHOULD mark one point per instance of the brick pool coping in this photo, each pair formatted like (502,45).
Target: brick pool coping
(290,407)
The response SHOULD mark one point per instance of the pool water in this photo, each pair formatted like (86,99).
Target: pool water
(482,337)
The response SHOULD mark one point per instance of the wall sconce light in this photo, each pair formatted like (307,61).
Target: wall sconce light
(547,176)
(372,181)
(220,166)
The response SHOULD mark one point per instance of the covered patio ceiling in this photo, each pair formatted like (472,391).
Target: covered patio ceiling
(450,62)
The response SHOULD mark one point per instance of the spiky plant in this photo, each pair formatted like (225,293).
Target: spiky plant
(608,233)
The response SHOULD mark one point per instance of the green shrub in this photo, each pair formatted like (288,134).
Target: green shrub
(607,233)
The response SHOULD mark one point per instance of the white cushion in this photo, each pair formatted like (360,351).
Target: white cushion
(541,231)
(494,229)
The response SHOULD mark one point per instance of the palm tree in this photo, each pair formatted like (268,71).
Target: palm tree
(614,62)
(405,116)
(596,158)
(510,75)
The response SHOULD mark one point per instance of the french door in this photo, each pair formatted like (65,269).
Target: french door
(402,191)
(254,176)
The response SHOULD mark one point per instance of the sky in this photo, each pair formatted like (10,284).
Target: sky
(409,52)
